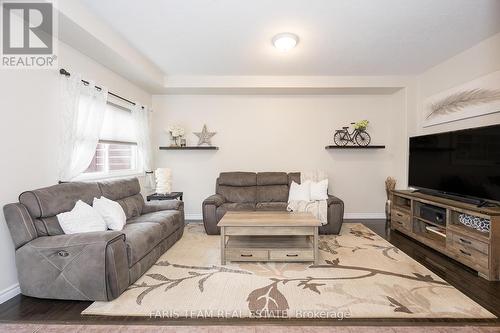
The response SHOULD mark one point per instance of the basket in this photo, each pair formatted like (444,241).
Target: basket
(475,222)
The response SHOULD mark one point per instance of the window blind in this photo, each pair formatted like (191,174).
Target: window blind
(118,125)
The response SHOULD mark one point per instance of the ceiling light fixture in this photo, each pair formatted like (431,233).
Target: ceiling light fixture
(285,41)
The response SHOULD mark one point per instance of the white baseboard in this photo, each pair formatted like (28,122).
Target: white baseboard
(9,292)
(353,216)
(193,216)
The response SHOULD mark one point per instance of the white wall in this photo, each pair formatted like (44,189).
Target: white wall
(283,133)
(29,136)
(480,60)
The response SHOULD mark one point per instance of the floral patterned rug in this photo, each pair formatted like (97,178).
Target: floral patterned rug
(360,275)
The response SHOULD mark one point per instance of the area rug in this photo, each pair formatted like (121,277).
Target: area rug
(360,275)
(35,328)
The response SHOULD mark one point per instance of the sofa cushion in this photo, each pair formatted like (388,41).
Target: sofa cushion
(271,206)
(272,178)
(119,189)
(238,178)
(60,198)
(293,177)
(272,193)
(48,226)
(132,206)
(238,194)
(222,209)
(169,220)
(140,239)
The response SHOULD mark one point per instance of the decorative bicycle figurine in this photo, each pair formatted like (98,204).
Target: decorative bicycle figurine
(359,136)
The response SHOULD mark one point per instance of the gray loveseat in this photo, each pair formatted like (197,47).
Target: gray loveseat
(264,191)
(93,265)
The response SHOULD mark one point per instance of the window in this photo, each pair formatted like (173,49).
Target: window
(111,157)
(116,154)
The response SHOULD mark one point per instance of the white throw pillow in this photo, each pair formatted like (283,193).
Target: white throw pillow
(319,190)
(300,192)
(82,218)
(111,212)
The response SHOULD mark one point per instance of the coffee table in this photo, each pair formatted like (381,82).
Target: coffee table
(269,236)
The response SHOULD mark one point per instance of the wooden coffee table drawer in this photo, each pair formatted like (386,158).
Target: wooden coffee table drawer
(291,255)
(269,236)
(247,254)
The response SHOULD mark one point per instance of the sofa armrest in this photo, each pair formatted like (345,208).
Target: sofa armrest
(334,200)
(20,224)
(155,206)
(335,216)
(215,199)
(209,210)
(85,266)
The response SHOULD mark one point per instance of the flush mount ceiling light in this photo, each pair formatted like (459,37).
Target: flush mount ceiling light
(285,41)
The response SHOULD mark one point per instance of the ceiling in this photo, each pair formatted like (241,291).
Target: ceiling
(337,37)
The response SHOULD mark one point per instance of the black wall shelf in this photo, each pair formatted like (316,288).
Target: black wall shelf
(355,147)
(190,148)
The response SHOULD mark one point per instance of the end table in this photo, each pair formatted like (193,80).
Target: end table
(165,196)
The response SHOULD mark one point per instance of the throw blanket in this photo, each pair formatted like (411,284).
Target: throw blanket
(318,208)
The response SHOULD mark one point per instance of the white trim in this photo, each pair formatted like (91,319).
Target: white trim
(195,216)
(9,292)
(368,216)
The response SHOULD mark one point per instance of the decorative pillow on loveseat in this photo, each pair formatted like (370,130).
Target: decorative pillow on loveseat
(300,192)
(319,190)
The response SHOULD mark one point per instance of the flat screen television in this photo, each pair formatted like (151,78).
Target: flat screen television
(464,164)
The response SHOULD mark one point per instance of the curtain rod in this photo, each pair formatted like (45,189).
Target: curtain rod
(64,72)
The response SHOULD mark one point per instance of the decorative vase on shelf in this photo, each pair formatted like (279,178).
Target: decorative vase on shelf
(173,141)
(176,135)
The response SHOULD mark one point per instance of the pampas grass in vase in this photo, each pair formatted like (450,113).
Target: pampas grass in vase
(390,185)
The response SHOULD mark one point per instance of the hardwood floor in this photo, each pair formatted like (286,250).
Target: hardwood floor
(23,309)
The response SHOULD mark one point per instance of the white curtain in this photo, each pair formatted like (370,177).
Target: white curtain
(141,118)
(82,116)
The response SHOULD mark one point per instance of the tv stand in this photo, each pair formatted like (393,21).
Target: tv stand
(476,247)
(485,203)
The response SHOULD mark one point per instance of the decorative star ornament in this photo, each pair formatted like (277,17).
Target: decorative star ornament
(204,136)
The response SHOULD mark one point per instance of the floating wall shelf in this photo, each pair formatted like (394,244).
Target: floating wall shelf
(355,147)
(190,148)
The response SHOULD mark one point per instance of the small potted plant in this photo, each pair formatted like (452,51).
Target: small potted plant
(176,133)
(361,125)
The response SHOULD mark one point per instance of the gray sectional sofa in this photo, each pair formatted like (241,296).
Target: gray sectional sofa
(94,265)
(264,191)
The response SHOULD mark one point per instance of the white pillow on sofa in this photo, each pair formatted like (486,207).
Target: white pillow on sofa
(111,212)
(82,218)
(319,190)
(300,192)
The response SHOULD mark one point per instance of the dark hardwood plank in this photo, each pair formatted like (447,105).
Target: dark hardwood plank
(22,309)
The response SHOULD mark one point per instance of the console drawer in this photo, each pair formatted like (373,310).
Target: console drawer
(246,254)
(470,257)
(458,240)
(401,220)
(291,255)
